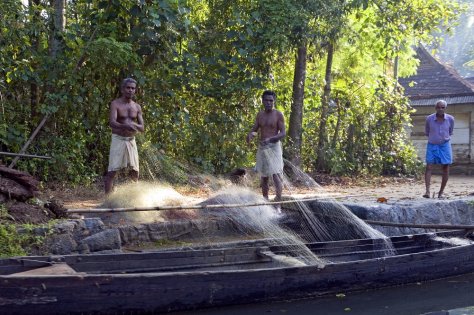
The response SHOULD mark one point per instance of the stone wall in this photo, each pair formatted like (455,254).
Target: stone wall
(90,235)
(431,211)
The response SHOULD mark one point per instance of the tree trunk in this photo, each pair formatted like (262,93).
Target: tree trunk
(59,25)
(322,136)
(56,46)
(340,113)
(34,89)
(295,128)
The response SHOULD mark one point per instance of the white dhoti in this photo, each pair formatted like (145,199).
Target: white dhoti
(270,159)
(123,153)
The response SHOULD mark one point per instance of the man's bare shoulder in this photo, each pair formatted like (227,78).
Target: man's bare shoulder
(119,102)
(115,102)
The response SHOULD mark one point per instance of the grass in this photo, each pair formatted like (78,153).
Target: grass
(17,239)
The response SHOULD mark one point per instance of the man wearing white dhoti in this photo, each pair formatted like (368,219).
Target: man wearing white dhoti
(125,119)
(271,124)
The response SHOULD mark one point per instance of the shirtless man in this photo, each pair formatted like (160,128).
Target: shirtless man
(269,155)
(125,119)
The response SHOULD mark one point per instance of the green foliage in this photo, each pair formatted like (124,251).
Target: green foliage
(201,67)
(9,245)
(16,240)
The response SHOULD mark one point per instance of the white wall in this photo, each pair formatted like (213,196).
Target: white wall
(463,134)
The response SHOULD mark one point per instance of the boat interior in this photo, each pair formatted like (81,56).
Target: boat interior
(255,254)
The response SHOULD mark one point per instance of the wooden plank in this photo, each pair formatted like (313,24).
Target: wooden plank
(56,269)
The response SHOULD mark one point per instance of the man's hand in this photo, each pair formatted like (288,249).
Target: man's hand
(135,126)
(265,141)
(250,136)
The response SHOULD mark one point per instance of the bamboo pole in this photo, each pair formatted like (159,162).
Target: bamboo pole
(27,144)
(25,155)
(423,226)
(190,207)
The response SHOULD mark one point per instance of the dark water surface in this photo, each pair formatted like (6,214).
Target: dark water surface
(421,298)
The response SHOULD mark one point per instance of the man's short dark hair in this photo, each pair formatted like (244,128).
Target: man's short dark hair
(269,92)
(126,81)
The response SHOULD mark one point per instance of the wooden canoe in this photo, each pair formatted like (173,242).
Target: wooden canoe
(225,274)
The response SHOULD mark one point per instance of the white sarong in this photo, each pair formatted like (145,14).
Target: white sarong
(270,159)
(123,153)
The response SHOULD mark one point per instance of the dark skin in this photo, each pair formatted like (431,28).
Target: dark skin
(440,110)
(271,124)
(126,120)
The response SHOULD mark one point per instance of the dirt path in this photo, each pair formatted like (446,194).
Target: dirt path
(459,186)
(392,189)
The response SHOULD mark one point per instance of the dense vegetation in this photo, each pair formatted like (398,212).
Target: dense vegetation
(453,47)
(201,68)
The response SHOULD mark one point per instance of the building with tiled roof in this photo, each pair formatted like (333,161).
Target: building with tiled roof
(432,82)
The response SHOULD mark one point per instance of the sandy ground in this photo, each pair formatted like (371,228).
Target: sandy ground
(458,186)
(391,190)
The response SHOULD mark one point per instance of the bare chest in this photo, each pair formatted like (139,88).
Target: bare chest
(268,120)
(127,111)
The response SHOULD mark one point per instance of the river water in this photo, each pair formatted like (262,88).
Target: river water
(433,298)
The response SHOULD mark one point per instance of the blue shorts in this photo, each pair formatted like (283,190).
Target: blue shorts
(439,153)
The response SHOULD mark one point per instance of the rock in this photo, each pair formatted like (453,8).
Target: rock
(94,225)
(83,249)
(61,244)
(105,240)
(427,212)
(65,227)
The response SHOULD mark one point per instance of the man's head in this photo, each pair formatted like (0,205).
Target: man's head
(128,87)
(268,99)
(440,107)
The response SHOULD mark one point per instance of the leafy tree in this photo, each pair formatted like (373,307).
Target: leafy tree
(201,68)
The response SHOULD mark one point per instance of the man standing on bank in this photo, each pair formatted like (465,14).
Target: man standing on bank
(439,129)
(125,119)
(269,155)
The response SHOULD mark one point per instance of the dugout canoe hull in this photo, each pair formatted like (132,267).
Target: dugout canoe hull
(187,279)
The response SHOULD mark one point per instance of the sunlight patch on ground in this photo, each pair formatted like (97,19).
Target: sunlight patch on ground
(141,195)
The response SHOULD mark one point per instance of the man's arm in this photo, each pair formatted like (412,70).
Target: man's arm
(451,126)
(113,123)
(281,129)
(140,124)
(427,127)
(253,131)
